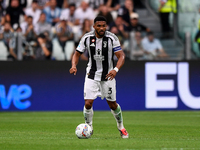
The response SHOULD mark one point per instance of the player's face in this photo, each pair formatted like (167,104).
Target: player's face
(100,28)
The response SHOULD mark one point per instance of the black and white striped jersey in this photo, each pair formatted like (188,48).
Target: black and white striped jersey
(101,52)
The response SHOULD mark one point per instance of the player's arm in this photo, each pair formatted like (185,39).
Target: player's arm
(75,60)
(121,59)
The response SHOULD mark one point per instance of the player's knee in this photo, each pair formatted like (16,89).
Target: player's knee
(113,106)
(88,104)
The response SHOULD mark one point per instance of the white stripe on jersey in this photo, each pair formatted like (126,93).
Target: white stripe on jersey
(98,62)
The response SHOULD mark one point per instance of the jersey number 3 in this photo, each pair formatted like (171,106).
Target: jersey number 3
(110,90)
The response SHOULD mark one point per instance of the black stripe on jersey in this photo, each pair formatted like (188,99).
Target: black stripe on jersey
(85,42)
(105,62)
(92,53)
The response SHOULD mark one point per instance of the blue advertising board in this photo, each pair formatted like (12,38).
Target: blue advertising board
(48,86)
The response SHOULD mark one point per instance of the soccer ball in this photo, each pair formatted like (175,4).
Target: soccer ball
(83,131)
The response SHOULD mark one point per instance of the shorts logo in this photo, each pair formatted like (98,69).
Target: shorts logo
(109,97)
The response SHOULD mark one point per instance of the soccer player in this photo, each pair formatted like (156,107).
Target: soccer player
(101,72)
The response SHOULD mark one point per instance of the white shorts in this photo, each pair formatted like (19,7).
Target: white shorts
(103,89)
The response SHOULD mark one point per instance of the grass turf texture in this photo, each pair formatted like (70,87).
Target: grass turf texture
(164,130)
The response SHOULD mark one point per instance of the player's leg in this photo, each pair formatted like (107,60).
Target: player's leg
(110,94)
(88,111)
(117,113)
(91,91)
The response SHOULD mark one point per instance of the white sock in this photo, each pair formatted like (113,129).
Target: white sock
(117,113)
(88,115)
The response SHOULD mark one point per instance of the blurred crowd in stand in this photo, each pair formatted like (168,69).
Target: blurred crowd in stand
(35,23)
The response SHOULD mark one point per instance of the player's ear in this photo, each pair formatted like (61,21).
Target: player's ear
(94,26)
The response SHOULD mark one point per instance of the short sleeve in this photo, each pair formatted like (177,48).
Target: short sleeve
(116,44)
(81,46)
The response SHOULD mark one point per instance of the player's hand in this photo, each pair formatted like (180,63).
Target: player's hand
(73,70)
(111,75)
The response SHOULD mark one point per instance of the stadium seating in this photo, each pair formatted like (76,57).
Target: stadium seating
(188,21)
(188,18)
(58,53)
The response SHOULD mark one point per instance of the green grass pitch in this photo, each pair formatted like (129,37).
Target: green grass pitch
(148,130)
